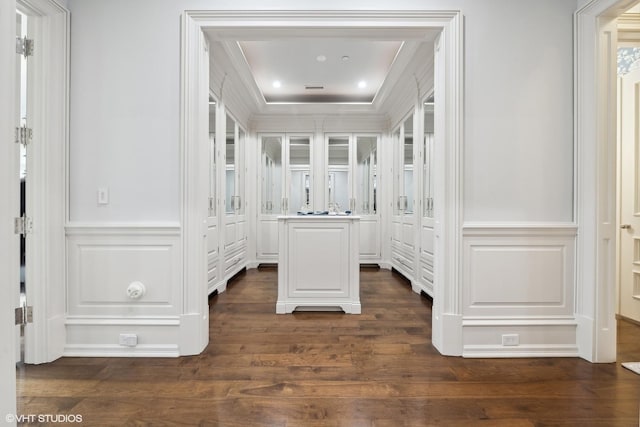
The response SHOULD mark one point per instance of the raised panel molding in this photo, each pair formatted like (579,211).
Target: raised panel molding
(102,261)
(519,279)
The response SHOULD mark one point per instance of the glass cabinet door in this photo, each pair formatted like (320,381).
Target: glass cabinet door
(230,166)
(427,168)
(238,204)
(299,174)
(338,161)
(366,175)
(271,164)
(398,174)
(212,159)
(407,168)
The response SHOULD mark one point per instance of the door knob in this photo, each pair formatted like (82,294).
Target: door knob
(625,226)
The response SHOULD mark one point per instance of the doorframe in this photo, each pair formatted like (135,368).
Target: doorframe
(46,262)
(46,335)
(595,148)
(447,315)
(9,193)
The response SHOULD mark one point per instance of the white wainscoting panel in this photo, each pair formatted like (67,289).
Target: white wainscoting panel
(519,279)
(103,260)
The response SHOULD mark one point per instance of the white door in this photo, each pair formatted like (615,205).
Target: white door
(630,196)
(9,242)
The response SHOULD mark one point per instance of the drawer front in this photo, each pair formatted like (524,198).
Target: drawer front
(234,260)
(402,263)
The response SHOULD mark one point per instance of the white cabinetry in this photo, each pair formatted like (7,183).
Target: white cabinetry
(235,224)
(425,277)
(286,183)
(352,184)
(318,264)
(213,244)
(403,230)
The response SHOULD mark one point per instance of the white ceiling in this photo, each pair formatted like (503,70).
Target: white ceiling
(327,70)
(379,56)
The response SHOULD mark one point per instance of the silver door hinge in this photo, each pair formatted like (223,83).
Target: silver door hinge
(24,46)
(24,315)
(211,203)
(22,225)
(24,135)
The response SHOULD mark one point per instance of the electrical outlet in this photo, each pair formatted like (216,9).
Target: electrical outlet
(510,339)
(128,340)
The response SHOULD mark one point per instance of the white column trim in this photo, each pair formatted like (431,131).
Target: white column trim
(594,187)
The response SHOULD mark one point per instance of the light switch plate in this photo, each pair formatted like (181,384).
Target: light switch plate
(103,196)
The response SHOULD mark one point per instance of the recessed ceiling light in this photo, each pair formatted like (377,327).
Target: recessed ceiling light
(321,58)
(362,84)
(346,58)
(277,84)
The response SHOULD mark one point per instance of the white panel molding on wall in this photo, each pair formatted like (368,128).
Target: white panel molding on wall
(106,263)
(519,280)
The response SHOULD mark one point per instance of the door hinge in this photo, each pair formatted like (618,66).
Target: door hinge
(22,225)
(211,204)
(24,315)
(24,46)
(24,135)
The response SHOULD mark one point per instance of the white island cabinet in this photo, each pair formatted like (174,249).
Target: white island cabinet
(318,263)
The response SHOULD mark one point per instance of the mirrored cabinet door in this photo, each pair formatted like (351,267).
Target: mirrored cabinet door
(398,175)
(427,166)
(299,175)
(366,153)
(212,159)
(271,155)
(239,201)
(339,181)
(407,167)
(230,166)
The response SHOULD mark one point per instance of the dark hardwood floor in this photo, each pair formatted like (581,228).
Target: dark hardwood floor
(332,369)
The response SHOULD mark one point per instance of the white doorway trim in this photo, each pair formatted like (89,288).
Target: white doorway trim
(595,148)
(447,316)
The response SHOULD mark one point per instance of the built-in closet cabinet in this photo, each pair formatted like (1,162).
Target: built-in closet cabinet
(285,185)
(403,223)
(427,221)
(234,218)
(213,244)
(352,184)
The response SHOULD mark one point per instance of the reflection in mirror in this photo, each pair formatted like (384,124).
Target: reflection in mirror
(366,174)
(408,165)
(271,174)
(397,177)
(239,167)
(428,160)
(338,167)
(300,169)
(230,172)
(212,157)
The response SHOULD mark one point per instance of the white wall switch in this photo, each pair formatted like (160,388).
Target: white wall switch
(103,196)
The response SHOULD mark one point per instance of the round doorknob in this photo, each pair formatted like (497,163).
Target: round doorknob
(625,226)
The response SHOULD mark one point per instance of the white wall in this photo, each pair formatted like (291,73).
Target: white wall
(518,106)
(518,141)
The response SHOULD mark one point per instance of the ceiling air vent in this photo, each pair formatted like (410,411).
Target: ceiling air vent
(313,87)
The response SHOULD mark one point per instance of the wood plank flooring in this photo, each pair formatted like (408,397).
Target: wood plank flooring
(332,369)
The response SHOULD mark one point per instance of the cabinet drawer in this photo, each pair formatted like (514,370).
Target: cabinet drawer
(402,262)
(234,260)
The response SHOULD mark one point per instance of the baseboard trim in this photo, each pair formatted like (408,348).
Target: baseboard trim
(109,350)
(532,350)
